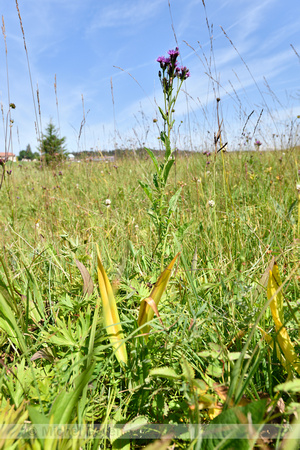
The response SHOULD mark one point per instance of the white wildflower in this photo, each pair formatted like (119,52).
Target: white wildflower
(108,202)
(211,203)
(298,187)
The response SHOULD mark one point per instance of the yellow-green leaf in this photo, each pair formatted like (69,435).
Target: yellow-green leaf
(146,312)
(110,313)
(276,304)
(280,357)
(288,349)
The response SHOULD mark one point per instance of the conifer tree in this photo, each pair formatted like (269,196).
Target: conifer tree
(52,146)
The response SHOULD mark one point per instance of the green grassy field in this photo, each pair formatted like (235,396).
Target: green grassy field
(206,360)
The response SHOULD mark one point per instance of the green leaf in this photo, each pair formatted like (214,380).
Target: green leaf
(230,437)
(126,433)
(168,167)
(173,200)
(292,207)
(289,386)
(64,404)
(163,136)
(164,444)
(146,188)
(168,148)
(214,370)
(36,417)
(9,324)
(163,115)
(154,159)
(165,372)
(233,356)
(33,286)
(187,371)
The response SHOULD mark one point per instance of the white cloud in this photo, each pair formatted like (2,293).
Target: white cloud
(127,13)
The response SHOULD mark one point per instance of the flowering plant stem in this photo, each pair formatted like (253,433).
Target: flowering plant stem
(162,209)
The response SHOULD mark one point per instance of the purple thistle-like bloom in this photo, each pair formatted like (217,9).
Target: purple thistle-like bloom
(184,73)
(164,62)
(174,53)
(257,142)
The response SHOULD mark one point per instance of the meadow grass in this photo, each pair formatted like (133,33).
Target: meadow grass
(204,356)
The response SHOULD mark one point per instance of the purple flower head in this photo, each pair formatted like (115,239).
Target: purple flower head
(8,172)
(174,53)
(184,73)
(164,62)
(257,142)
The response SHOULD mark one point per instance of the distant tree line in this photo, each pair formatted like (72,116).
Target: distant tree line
(28,154)
(122,153)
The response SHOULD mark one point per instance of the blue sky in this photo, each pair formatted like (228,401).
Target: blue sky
(81,42)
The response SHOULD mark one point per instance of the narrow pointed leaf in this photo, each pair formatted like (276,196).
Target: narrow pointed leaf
(88,285)
(146,312)
(173,200)
(64,404)
(168,168)
(288,349)
(276,304)
(164,372)
(280,357)
(194,261)
(147,189)
(111,315)
(154,159)
(188,372)
(9,324)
